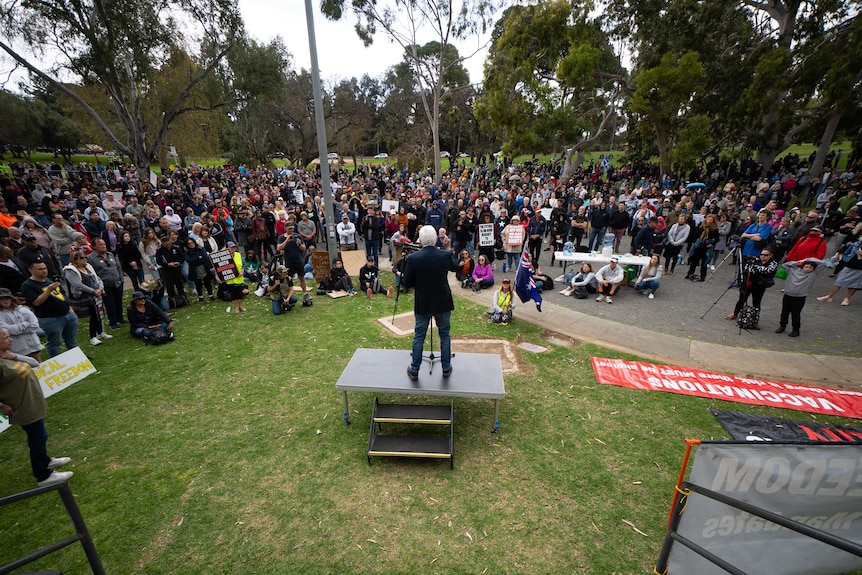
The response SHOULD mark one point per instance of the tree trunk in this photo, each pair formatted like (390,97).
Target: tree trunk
(661,141)
(825,140)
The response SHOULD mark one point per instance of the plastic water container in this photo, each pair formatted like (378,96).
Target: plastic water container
(568,249)
(608,246)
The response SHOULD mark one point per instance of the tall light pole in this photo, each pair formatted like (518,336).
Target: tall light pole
(322,147)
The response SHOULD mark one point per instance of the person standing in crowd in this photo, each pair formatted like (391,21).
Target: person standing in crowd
(293,250)
(801,276)
(21,324)
(371,231)
(169,259)
(676,238)
(850,276)
(427,271)
(599,220)
(86,289)
(107,267)
(22,401)
(701,250)
(234,285)
(757,275)
(63,237)
(51,306)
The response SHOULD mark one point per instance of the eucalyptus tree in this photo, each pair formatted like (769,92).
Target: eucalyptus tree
(408,23)
(552,80)
(124,51)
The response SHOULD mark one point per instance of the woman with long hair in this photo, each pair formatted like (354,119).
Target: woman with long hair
(701,250)
(148,245)
(86,290)
(130,259)
(648,279)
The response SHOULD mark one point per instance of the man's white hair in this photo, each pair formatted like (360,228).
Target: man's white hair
(427,236)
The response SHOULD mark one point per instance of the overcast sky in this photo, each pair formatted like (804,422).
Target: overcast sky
(340,53)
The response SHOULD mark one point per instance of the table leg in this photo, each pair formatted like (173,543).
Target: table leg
(346,412)
(496,416)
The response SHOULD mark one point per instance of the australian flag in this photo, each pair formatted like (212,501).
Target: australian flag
(525,286)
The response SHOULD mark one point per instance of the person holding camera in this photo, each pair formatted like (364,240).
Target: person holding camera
(280,290)
(293,250)
(51,306)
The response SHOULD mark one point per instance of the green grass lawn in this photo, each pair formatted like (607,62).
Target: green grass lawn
(225,452)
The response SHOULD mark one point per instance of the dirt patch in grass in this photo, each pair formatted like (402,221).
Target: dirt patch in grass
(510,357)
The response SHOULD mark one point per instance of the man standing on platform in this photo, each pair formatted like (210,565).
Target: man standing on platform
(427,271)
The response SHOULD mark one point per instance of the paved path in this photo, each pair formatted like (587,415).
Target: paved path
(678,327)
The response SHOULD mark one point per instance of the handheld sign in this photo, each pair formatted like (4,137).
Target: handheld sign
(223,265)
(486,235)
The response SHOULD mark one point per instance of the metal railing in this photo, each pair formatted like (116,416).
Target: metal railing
(81,533)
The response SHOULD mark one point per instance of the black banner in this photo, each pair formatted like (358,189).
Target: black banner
(750,427)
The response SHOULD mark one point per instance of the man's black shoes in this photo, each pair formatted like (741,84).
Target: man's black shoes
(412,374)
(447,372)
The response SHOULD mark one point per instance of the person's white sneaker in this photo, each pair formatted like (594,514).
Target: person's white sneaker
(609,300)
(600,298)
(59,462)
(104,335)
(652,296)
(95,341)
(55,477)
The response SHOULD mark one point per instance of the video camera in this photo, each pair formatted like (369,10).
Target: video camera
(407,249)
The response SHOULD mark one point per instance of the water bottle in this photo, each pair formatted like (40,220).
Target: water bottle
(504,268)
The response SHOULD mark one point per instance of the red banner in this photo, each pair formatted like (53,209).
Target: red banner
(687,381)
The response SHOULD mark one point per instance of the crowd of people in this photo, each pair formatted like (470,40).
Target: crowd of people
(70,236)
(126,227)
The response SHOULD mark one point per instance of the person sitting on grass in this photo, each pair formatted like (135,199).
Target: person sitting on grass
(280,288)
(609,279)
(368,281)
(145,317)
(503,303)
(483,274)
(340,279)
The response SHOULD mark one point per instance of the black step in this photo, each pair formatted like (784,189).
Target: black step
(403,413)
(437,447)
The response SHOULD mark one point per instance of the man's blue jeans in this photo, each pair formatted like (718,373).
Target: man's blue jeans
(56,327)
(597,236)
(278,306)
(372,250)
(419,331)
(145,331)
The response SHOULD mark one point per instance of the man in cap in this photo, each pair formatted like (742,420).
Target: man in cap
(368,280)
(346,232)
(31,252)
(609,279)
(280,289)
